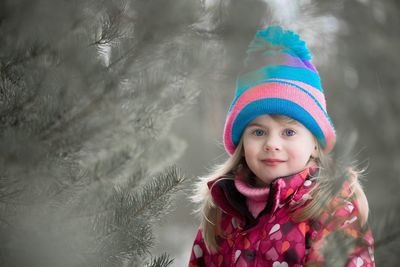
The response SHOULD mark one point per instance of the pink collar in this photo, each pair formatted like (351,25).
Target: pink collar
(255,193)
(281,189)
(256,198)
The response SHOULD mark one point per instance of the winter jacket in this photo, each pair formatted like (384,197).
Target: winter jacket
(274,239)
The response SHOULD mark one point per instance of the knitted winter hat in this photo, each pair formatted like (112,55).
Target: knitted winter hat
(279,78)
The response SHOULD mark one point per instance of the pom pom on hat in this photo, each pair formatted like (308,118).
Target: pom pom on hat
(279,78)
(275,36)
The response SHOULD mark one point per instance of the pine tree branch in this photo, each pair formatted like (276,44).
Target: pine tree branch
(6,73)
(123,201)
(110,30)
(66,122)
(152,192)
(128,217)
(161,261)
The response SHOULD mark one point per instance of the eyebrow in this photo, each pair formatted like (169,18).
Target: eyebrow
(264,126)
(255,124)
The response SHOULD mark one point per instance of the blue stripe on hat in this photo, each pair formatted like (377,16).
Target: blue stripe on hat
(261,75)
(275,106)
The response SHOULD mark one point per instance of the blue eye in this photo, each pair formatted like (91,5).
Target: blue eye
(258,132)
(289,132)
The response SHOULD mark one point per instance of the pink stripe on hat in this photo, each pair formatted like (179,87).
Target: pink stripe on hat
(315,92)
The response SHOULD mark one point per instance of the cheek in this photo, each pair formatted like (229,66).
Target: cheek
(301,153)
(249,146)
(251,150)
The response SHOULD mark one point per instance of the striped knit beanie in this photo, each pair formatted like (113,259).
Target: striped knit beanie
(279,78)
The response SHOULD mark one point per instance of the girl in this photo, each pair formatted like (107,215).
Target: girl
(279,199)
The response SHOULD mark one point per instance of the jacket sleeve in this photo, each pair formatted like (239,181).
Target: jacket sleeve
(338,239)
(199,250)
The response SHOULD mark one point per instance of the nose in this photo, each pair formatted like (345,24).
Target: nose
(272,143)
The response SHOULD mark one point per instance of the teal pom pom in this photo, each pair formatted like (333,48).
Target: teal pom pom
(274,39)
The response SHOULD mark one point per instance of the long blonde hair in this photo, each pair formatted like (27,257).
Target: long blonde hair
(329,179)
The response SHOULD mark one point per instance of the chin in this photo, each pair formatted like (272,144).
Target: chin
(269,178)
(275,174)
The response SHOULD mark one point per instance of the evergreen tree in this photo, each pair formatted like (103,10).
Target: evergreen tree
(88,93)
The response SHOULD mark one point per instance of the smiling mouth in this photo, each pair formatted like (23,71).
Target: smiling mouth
(272,162)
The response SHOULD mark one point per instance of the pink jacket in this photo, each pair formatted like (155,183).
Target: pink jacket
(273,238)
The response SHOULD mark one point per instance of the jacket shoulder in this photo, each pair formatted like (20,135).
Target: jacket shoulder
(339,229)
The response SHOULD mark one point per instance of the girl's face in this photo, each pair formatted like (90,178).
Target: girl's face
(275,148)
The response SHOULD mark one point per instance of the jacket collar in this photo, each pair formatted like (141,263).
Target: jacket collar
(282,189)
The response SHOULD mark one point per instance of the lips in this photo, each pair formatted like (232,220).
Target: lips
(273,162)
